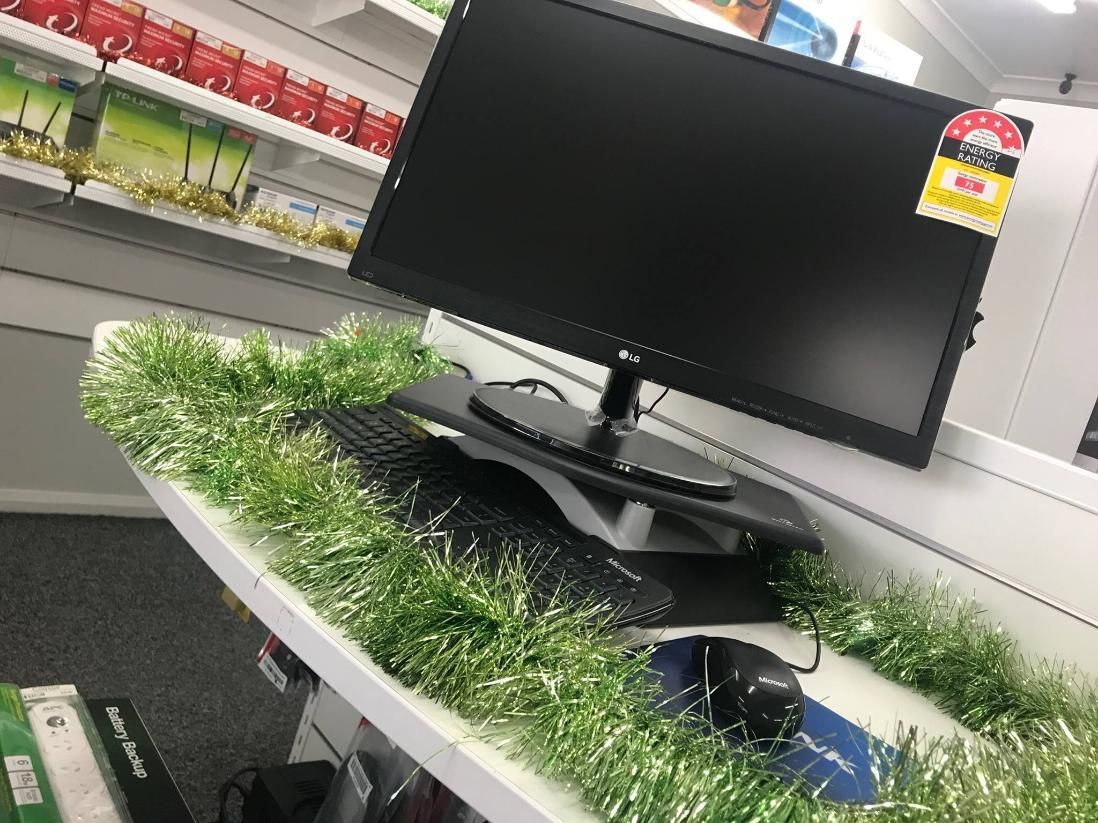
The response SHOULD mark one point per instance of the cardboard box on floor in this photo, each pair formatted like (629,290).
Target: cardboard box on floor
(151,793)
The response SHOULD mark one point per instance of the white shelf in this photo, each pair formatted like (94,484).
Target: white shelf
(28,185)
(73,59)
(209,238)
(294,146)
(405,17)
(499,788)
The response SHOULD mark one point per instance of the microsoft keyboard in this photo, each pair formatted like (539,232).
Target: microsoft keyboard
(438,488)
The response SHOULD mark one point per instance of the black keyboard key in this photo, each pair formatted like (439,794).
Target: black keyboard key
(585,573)
(604,586)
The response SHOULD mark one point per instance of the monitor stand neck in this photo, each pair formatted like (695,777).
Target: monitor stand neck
(619,407)
(606,437)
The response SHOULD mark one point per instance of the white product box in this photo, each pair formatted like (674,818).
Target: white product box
(301,210)
(350,222)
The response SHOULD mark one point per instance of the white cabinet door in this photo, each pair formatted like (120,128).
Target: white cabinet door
(1036,294)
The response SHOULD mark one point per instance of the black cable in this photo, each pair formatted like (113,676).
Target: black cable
(226,790)
(304,803)
(531,383)
(464,368)
(535,384)
(641,413)
(819,643)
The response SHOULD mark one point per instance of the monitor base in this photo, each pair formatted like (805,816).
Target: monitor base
(764,511)
(607,437)
(702,562)
(625,523)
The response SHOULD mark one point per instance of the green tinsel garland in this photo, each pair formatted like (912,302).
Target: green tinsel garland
(439,8)
(556,688)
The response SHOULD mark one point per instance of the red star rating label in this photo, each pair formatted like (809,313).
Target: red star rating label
(972,176)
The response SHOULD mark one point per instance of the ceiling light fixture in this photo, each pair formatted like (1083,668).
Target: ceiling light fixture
(1059,6)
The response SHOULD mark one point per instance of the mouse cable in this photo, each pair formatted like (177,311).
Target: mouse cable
(638,413)
(819,643)
(531,383)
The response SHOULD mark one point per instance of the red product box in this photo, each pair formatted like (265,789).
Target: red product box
(300,99)
(260,81)
(12,7)
(339,116)
(213,64)
(113,27)
(164,44)
(379,130)
(62,16)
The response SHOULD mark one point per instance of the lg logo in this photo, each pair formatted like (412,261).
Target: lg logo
(625,355)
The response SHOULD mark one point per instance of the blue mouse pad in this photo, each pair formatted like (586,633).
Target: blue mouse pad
(830,753)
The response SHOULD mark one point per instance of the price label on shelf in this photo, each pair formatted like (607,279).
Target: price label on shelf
(972,176)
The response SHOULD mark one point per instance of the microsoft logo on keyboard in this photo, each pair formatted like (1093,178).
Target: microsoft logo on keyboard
(631,575)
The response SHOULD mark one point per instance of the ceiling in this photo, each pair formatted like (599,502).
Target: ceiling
(1018,47)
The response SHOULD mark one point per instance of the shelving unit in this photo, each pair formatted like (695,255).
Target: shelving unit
(167,227)
(75,60)
(293,146)
(405,17)
(28,185)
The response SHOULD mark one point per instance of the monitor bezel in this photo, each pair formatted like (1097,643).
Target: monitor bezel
(660,367)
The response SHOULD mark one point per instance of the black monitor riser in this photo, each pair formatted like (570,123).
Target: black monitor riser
(607,437)
(681,538)
(761,509)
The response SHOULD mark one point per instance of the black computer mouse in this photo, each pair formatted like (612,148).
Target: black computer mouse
(752,684)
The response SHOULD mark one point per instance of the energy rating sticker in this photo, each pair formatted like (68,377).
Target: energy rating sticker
(972,177)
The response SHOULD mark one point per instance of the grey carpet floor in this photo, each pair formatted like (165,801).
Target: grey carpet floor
(124,608)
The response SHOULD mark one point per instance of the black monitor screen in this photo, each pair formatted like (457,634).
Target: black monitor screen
(752,218)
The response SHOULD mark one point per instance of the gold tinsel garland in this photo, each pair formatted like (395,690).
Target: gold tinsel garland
(80,166)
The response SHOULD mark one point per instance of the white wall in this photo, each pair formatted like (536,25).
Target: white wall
(57,280)
(940,71)
(49,457)
(1009,526)
(1031,378)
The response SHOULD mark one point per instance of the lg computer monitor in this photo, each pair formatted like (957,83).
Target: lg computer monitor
(707,212)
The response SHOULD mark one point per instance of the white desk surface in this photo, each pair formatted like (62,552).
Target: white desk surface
(499,788)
